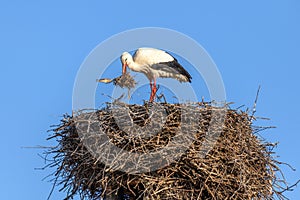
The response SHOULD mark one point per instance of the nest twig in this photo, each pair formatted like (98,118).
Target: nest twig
(125,80)
(240,165)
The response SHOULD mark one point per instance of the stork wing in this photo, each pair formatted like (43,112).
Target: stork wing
(151,56)
(171,69)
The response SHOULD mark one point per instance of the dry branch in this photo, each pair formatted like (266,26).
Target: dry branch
(240,165)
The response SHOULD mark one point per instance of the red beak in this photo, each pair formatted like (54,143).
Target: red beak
(124,67)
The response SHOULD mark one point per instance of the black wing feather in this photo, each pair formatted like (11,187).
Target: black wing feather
(178,67)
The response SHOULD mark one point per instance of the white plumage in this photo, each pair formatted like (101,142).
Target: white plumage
(154,63)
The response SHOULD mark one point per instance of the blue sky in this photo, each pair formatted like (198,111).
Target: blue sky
(43,43)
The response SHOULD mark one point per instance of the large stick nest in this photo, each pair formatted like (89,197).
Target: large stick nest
(239,166)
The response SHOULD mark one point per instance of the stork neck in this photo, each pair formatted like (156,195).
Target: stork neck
(133,65)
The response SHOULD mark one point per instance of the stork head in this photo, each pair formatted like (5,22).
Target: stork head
(126,59)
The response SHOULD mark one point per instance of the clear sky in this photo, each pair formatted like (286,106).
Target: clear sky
(43,43)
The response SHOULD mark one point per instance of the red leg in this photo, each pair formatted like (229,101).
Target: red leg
(153,90)
(151,95)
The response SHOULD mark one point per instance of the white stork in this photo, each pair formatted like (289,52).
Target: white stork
(154,63)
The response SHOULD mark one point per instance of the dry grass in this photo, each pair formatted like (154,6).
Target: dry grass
(126,80)
(123,81)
